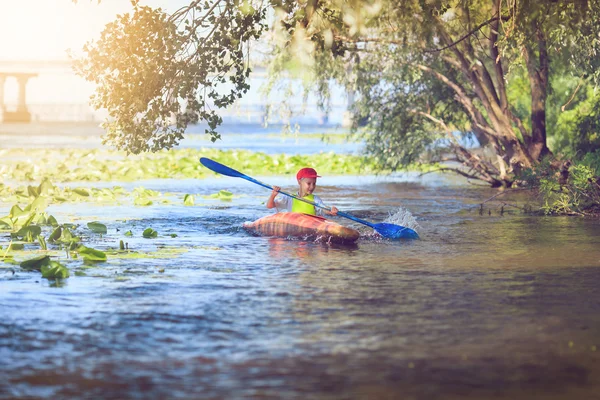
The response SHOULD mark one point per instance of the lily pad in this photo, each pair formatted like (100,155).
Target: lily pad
(36,263)
(90,254)
(149,233)
(54,270)
(82,192)
(97,227)
(142,201)
(224,195)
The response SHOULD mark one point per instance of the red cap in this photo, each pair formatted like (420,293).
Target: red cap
(307,173)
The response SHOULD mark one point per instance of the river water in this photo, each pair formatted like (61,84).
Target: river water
(481,307)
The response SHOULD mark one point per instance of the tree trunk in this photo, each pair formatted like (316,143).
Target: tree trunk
(538,82)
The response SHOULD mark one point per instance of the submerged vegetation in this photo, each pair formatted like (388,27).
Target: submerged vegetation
(36,241)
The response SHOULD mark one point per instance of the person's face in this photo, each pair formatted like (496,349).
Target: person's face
(307,185)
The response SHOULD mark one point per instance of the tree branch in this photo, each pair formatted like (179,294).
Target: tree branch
(458,171)
(484,169)
(475,30)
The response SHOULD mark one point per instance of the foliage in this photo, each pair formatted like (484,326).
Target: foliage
(156,73)
(424,73)
(188,200)
(223,195)
(77,165)
(54,270)
(35,263)
(577,130)
(90,254)
(97,227)
(149,233)
(446,67)
(62,245)
(573,191)
(592,161)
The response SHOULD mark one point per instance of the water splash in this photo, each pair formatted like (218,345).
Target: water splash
(403,217)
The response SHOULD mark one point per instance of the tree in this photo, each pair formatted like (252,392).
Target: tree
(425,72)
(156,73)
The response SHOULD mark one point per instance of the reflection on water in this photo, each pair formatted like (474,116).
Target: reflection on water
(482,306)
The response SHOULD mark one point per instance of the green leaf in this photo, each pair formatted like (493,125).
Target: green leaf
(56,234)
(142,201)
(35,263)
(45,187)
(149,233)
(90,254)
(54,270)
(42,242)
(224,195)
(66,235)
(52,221)
(34,230)
(82,192)
(5,223)
(33,191)
(40,219)
(188,200)
(97,227)
(16,212)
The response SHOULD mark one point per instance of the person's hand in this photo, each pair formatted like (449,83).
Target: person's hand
(333,210)
(276,190)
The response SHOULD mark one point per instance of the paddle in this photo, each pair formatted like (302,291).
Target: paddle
(389,231)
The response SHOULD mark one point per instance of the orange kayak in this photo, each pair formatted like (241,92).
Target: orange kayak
(309,227)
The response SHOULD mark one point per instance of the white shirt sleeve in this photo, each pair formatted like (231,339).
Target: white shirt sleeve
(319,210)
(283,203)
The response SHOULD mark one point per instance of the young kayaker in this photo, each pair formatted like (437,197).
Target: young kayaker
(307,182)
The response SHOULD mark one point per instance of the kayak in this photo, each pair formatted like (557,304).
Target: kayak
(308,227)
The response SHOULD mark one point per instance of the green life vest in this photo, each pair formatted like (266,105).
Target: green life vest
(302,207)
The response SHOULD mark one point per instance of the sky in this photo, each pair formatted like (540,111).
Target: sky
(45,29)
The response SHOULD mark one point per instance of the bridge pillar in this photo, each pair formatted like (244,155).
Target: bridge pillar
(22,113)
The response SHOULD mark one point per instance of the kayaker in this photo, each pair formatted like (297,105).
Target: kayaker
(307,182)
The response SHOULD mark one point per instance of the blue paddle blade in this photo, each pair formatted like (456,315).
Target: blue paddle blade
(220,168)
(391,231)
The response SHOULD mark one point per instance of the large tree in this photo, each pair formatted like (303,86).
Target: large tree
(425,72)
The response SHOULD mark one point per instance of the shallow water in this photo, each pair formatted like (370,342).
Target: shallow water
(482,306)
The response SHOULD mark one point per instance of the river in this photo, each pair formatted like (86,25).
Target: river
(482,306)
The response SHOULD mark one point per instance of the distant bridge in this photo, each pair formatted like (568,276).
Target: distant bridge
(79,111)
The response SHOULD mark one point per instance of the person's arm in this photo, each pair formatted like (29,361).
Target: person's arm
(322,211)
(274,193)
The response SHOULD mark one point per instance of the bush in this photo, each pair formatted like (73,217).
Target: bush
(564,188)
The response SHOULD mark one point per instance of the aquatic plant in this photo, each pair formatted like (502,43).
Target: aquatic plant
(77,165)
